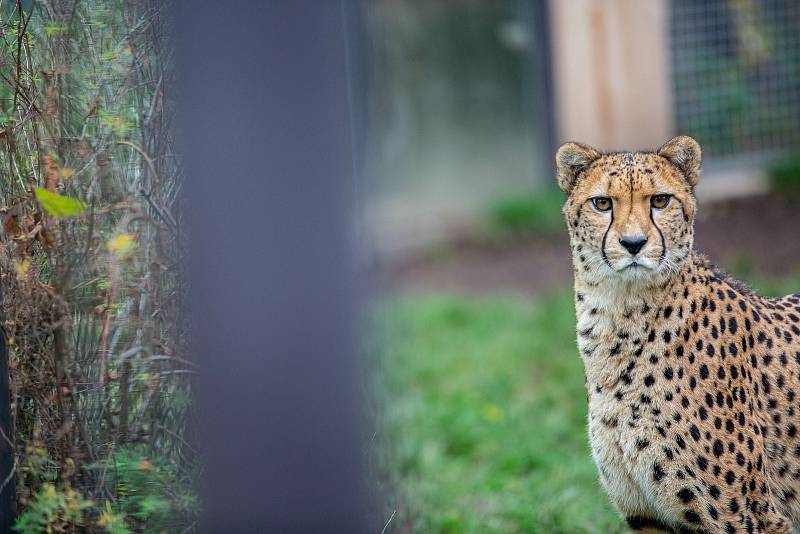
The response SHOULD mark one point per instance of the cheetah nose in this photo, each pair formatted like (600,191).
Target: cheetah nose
(633,244)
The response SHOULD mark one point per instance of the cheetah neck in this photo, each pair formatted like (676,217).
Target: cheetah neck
(617,320)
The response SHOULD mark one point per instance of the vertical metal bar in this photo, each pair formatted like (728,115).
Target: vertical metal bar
(538,89)
(268,191)
(543,57)
(8,476)
(355,35)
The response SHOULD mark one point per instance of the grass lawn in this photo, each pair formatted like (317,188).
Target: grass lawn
(484,412)
(486,417)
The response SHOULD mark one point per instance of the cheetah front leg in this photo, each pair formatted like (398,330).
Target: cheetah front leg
(646,525)
(724,523)
(769,523)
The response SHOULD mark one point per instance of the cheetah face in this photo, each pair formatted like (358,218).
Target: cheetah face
(630,215)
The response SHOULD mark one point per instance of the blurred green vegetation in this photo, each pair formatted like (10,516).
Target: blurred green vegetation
(784,175)
(98,351)
(150,495)
(486,416)
(456,99)
(742,268)
(725,94)
(534,213)
(777,287)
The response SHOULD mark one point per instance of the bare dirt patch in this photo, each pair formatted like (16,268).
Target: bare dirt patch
(761,234)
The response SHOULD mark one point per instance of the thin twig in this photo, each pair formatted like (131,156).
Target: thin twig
(389,521)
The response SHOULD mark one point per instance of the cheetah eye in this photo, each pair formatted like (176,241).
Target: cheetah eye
(660,202)
(601,203)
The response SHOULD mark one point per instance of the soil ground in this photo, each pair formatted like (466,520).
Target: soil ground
(757,235)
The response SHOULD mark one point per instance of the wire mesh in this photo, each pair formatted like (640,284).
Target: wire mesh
(736,75)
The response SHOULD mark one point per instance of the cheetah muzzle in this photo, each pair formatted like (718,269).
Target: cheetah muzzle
(692,378)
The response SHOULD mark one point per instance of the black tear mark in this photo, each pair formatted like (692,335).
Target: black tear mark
(663,242)
(603,244)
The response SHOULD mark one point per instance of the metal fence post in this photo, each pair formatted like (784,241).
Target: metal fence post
(8,475)
(268,189)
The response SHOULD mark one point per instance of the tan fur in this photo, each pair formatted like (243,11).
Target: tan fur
(693,380)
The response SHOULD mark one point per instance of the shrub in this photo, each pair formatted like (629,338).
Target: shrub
(90,250)
(536,213)
(784,176)
(53,510)
(150,491)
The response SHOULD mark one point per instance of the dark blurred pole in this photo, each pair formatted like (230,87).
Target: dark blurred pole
(8,475)
(356,53)
(539,82)
(543,59)
(268,194)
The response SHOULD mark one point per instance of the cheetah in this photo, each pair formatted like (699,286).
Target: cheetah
(692,378)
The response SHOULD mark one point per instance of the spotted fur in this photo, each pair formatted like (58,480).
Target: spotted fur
(692,378)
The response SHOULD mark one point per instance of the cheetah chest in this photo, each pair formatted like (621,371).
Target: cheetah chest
(622,421)
(620,451)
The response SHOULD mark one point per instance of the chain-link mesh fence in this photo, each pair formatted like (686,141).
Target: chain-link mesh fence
(736,75)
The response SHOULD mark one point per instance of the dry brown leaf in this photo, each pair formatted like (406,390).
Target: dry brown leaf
(46,238)
(49,99)
(10,225)
(92,107)
(29,222)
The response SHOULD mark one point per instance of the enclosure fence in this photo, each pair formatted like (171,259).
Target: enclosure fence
(736,75)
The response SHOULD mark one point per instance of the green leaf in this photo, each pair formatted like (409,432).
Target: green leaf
(53,29)
(57,205)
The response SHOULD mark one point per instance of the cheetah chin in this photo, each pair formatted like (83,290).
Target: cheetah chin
(692,378)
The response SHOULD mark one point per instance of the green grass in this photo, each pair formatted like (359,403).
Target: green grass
(778,288)
(484,412)
(742,268)
(486,417)
(784,176)
(535,213)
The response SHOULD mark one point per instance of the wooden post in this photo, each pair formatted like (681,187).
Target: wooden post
(612,80)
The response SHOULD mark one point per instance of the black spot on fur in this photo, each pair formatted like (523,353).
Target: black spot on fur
(658,472)
(685,495)
(691,516)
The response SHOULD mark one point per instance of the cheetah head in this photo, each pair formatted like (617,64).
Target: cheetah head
(630,215)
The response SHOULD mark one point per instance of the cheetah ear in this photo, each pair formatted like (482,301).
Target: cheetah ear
(571,160)
(684,152)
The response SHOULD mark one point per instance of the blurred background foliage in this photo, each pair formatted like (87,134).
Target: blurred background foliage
(784,175)
(90,257)
(432,149)
(737,74)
